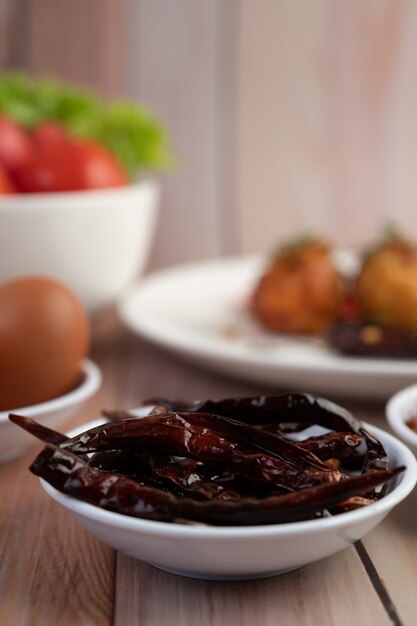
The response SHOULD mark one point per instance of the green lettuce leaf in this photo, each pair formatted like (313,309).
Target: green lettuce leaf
(131,131)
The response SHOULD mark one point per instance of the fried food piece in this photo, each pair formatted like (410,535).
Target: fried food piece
(300,292)
(387,285)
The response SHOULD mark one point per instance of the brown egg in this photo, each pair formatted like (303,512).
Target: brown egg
(44,333)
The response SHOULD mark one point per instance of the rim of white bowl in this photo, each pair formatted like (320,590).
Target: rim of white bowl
(90,384)
(395,412)
(407,481)
(47,200)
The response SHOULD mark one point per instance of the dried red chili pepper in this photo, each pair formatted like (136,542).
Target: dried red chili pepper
(301,408)
(335,445)
(229,462)
(74,476)
(194,479)
(38,430)
(227,444)
(184,478)
(195,436)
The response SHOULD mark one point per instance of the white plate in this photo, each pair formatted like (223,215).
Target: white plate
(198,311)
(244,552)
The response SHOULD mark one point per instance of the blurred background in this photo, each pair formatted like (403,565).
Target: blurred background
(286,115)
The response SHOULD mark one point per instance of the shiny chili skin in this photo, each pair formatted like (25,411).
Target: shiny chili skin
(72,475)
(288,411)
(191,478)
(281,448)
(236,471)
(302,408)
(194,436)
(38,430)
(259,456)
(334,445)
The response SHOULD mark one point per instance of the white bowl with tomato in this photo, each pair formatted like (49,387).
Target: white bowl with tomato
(76,200)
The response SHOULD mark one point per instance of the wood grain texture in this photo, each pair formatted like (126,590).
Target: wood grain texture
(327,131)
(76,41)
(281,153)
(11,21)
(393,549)
(51,570)
(172,63)
(335,591)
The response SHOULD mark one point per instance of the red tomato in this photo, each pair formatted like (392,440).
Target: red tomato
(97,167)
(49,136)
(52,169)
(6,185)
(52,164)
(15,145)
(60,163)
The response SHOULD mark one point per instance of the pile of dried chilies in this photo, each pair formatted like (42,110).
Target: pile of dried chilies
(225,463)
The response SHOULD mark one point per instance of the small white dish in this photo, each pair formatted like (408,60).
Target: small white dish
(246,552)
(14,441)
(206,320)
(400,408)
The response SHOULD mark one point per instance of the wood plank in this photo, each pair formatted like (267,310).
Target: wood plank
(51,570)
(172,63)
(327,93)
(77,41)
(335,591)
(12,21)
(282,170)
(392,546)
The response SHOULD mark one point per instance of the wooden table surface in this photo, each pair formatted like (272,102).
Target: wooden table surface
(53,572)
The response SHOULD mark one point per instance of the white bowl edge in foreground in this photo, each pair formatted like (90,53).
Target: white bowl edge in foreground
(401,407)
(233,553)
(14,440)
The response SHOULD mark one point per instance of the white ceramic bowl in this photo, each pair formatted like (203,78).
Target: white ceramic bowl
(14,441)
(400,408)
(96,242)
(235,553)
